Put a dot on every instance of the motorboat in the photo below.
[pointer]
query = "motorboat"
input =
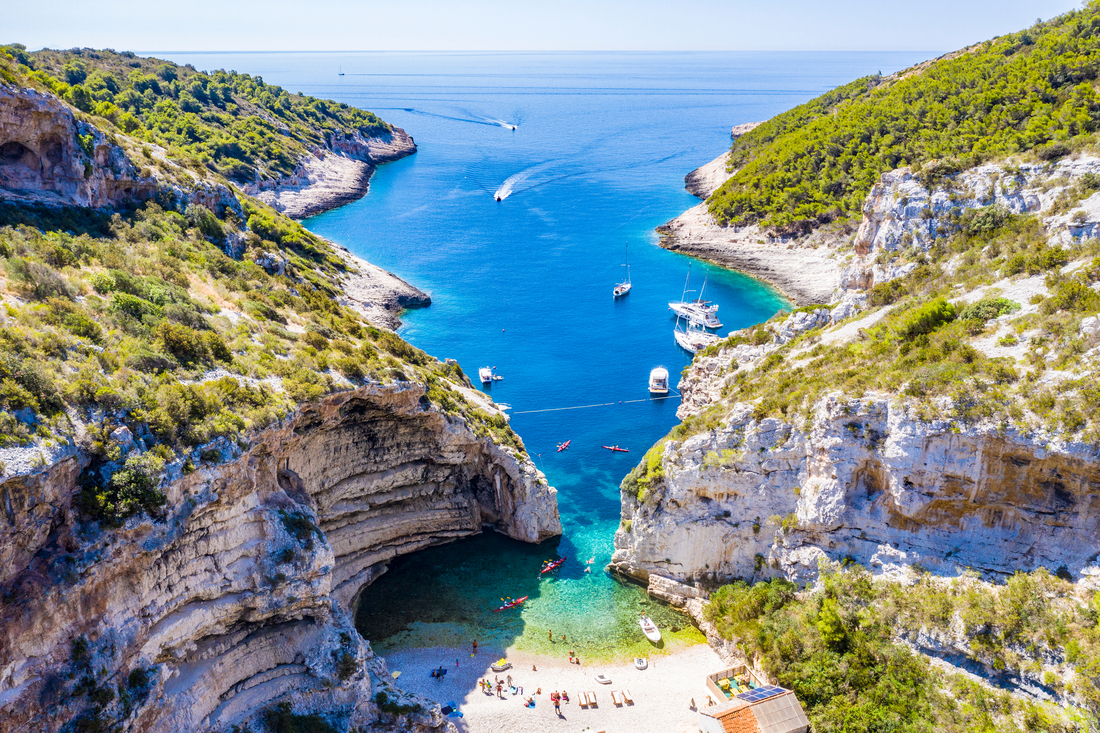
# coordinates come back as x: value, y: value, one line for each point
x: 485, y: 374
x: 624, y: 287
x: 640, y: 662
x: 649, y: 628
x: 617, y: 449
x: 694, y: 338
x: 658, y: 381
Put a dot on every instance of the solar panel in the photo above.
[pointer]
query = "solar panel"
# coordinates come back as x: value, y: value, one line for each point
x: 761, y: 693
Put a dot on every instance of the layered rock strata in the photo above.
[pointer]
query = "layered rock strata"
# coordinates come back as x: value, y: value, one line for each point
x: 330, y: 177
x: 238, y: 599
x: 863, y: 480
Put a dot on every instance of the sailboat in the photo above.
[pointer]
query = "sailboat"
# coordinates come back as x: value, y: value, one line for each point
x: 694, y: 338
x: 624, y: 287
x: 698, y: 311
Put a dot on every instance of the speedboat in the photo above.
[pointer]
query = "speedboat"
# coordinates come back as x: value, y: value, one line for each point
x: 694, y: 339
x: 485, y: 374
x: 649, y: 629
x: 658, y: 381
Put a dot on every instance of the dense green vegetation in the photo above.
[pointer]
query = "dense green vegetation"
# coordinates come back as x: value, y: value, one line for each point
x: 227, y: 122
x: 834, y: 647
x: 1028, y: 91
x: 922, y: 348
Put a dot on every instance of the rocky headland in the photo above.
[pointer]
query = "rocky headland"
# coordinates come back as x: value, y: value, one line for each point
x: 333, y: 176
x: 199, y: 570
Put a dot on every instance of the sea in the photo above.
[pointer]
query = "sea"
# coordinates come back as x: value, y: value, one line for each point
x: 588, y: 153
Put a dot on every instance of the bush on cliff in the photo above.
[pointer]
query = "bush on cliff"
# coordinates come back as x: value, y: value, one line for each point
x: 1020, y: 92
x: 834, y: 646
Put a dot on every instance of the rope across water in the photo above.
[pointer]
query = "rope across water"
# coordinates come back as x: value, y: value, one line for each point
x: 600, y: 404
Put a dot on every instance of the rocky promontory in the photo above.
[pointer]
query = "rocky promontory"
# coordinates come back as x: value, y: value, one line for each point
x: 333, y: 176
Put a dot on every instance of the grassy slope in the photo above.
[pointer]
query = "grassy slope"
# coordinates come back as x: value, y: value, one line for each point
x: 1032, y: 90
x: 116, y: 319
x: 231, y: 123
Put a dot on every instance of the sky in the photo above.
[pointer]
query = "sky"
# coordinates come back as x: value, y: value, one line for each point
x: 936, y: 26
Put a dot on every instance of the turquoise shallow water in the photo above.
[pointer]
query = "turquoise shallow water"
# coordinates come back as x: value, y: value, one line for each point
x: 597, y: 159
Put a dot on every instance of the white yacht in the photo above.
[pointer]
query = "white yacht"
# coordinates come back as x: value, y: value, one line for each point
x: 624, y: 287
x: 699, y: 311
x: 485, y: 374
x: 694, y: 338
x: 658, y: 381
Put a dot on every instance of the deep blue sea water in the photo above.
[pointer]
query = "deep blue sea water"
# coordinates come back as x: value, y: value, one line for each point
x: 597, y: 160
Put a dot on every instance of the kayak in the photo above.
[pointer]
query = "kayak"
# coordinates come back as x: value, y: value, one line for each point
x: 617, y: 448
x: 552, y: 566
x: 513, y: 604
x: 565, y: 445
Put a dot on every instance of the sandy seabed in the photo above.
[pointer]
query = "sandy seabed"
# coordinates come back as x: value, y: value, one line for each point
x: 662, y: 693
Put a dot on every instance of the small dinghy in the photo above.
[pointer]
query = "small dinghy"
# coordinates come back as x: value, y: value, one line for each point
x: 641, y: 662
x: 602, y: 680
x: 500, y: 665
x: 513, y: 604
x: 552, y: 566
x: 649, y: 628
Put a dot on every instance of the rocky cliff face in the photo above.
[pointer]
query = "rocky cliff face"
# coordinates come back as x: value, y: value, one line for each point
x: 327, y: 178
x: 863, y: 480
x: 863, y: 477
x: 239, y: 598
x: 48, y: 156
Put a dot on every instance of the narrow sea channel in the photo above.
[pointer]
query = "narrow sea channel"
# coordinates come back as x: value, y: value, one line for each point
x: 601, y: 144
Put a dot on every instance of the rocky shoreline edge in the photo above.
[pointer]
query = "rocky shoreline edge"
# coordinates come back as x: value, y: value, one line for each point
x: 328, y: 178
x: 805, y: 270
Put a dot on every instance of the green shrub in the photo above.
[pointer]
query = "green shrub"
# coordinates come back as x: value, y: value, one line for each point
x: 280, y: 719
x: 926, y: 318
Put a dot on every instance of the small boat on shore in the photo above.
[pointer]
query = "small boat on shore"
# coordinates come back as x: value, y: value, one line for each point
x: 649, y: 628
x: 640, y: 662
x: 564, y: 446
x: 552, y: 566
x: 513, y: 604
x: 658, y: 381
x: 500, y: 665
x: 617, y: 448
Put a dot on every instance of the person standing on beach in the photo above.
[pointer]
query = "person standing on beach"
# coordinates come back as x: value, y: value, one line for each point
x: 550, y: 634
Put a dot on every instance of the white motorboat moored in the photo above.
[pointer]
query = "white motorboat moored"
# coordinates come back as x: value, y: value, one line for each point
x: 658, y: 381
x: 485, y: 374
x: 649, y: 628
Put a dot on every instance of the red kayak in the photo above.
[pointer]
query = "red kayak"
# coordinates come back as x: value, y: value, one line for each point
x: 564, y: 445
x: 552, y: 566
x: 513, y: 604
x: 617, y: 448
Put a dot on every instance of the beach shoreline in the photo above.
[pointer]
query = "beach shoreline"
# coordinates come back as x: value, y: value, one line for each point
x: 662, y: 693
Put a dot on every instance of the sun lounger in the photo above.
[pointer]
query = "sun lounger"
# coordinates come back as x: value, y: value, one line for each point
x: 627, y: 697
x: 592, y: 700
x: 615, y: 699
x: 583, y: 699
